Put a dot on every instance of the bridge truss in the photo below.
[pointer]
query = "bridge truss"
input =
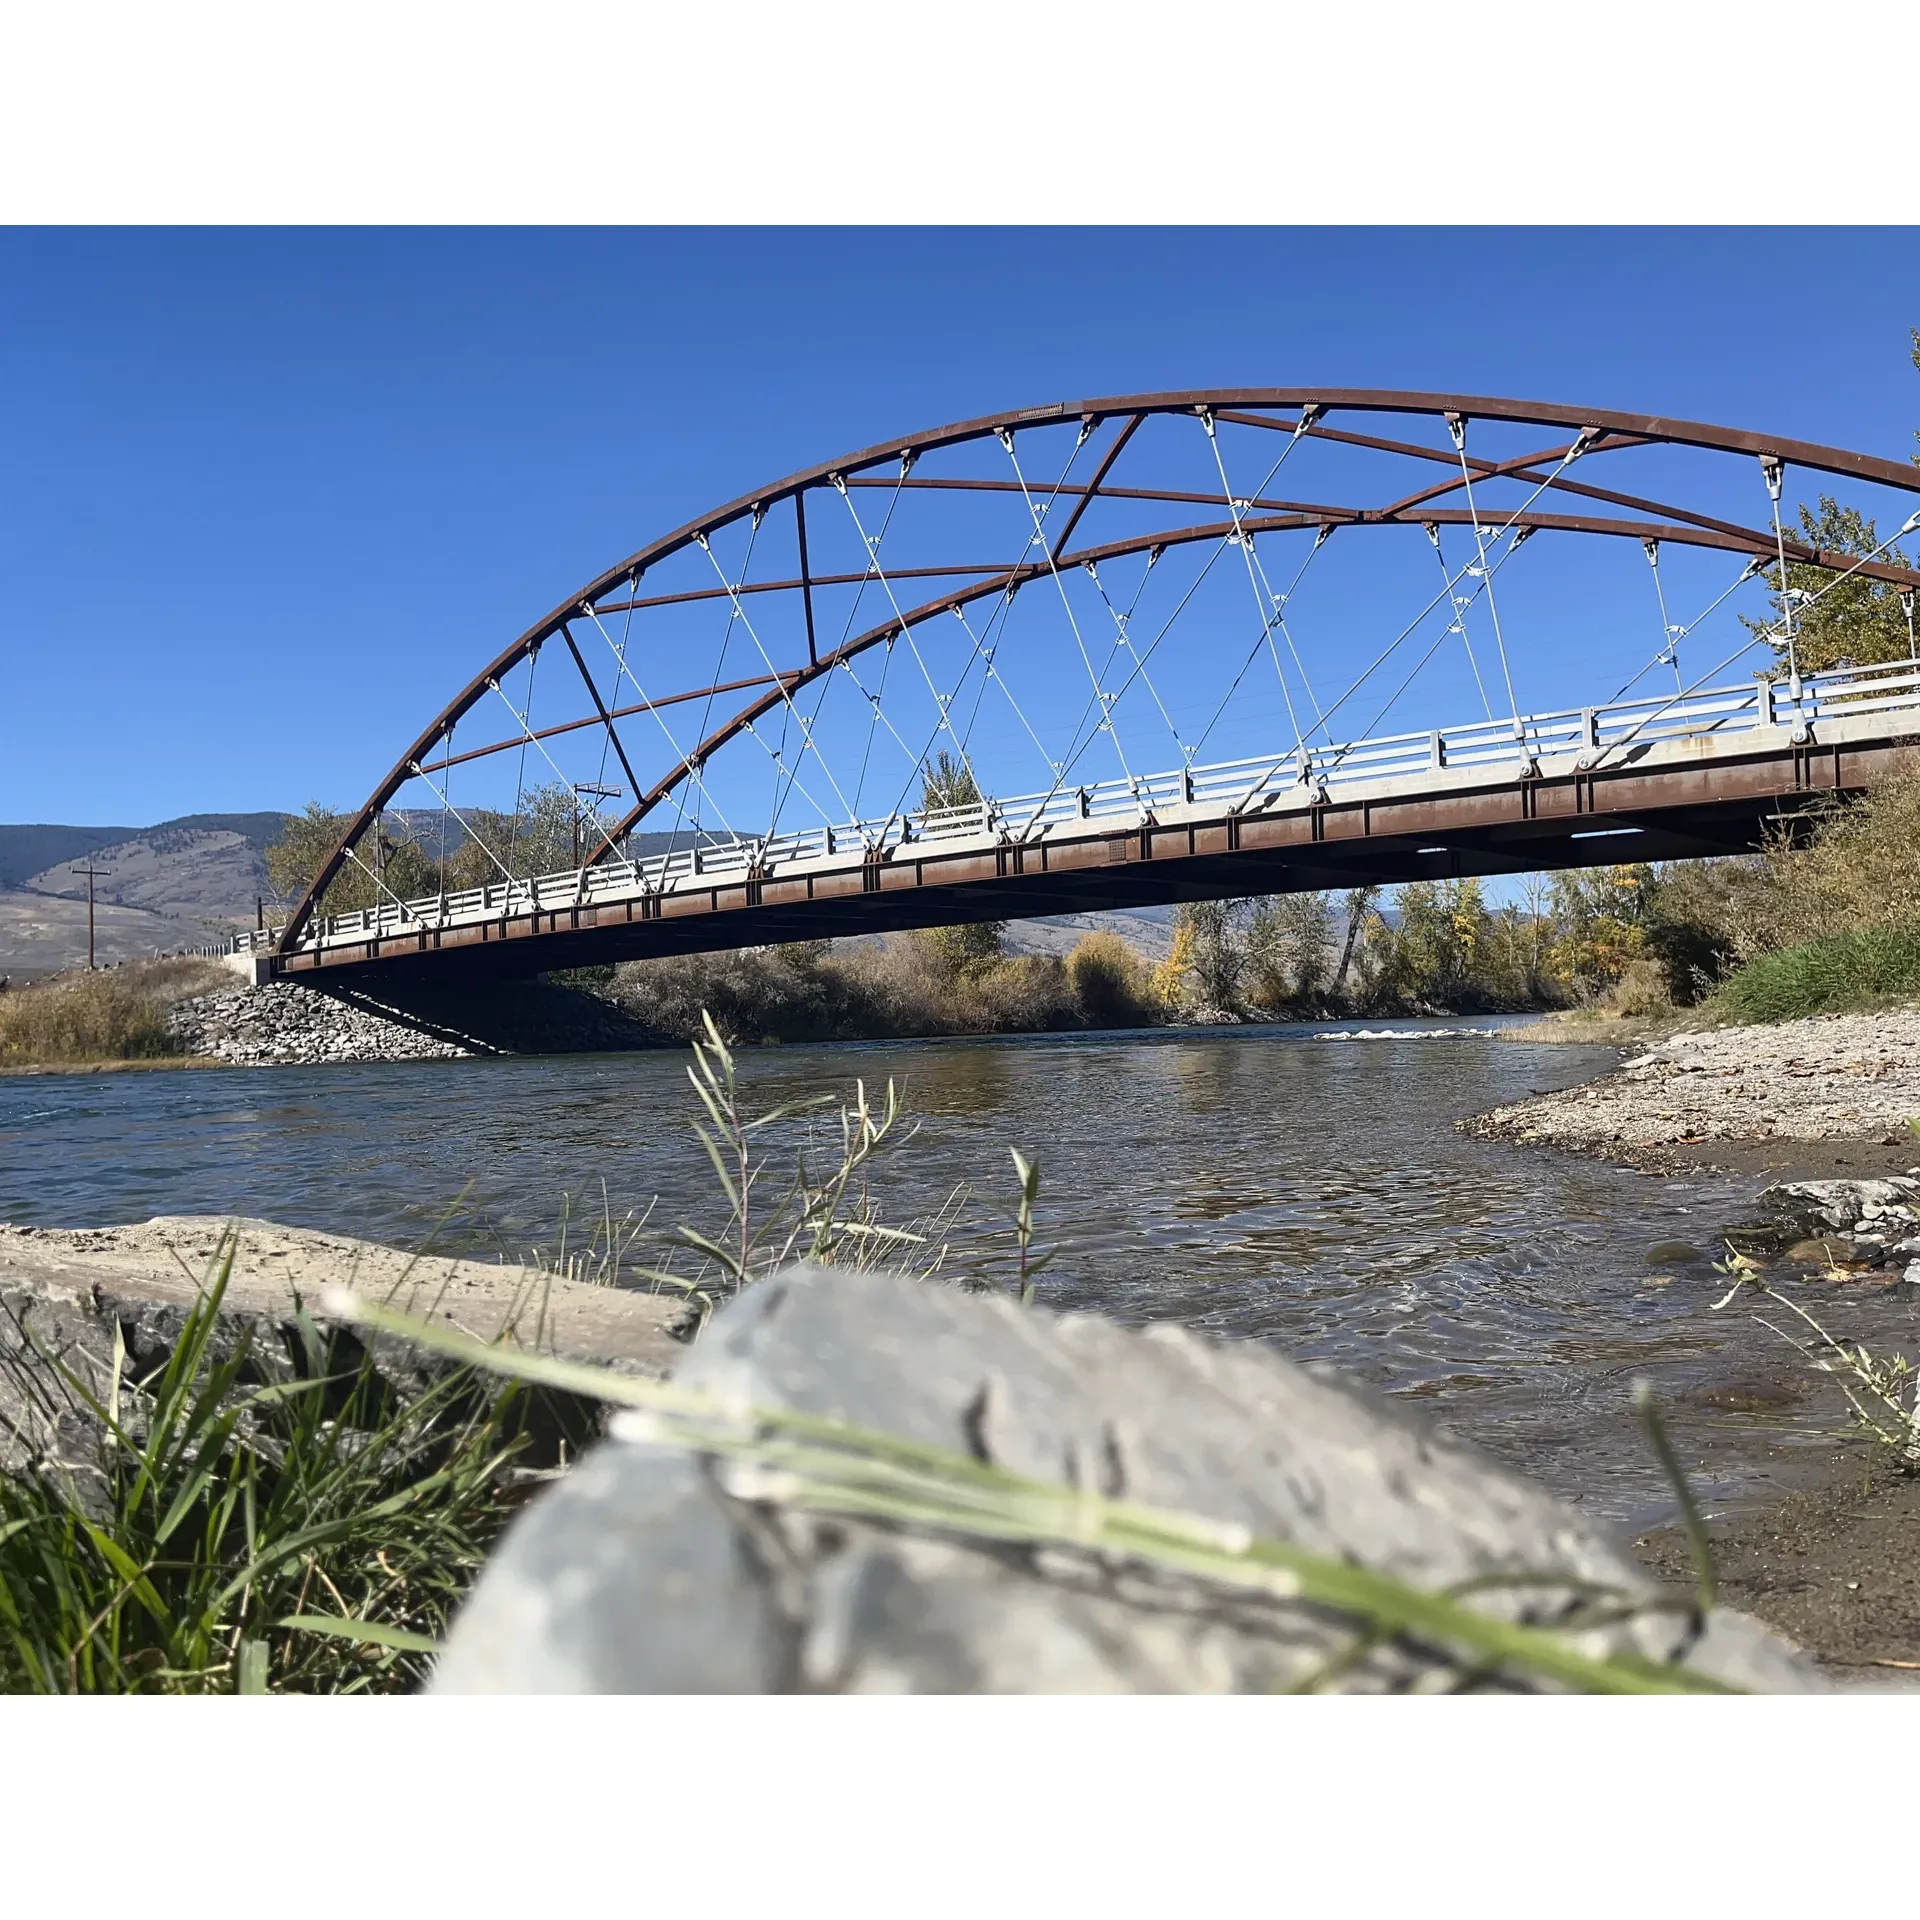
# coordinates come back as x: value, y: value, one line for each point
x: 1142, y: 648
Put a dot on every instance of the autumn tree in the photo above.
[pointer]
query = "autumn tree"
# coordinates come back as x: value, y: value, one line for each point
x: 1360, y: 908
x: 962, y: 950
x: 1437, y: 953
x: 1173, y: 977
x: 1841, y: 619
x: 302, y: 849
x: 1217, y: 957
x: 1602, y: 914
x: 946, y: 781
x: 386, y: 865
x: 1289, y: 950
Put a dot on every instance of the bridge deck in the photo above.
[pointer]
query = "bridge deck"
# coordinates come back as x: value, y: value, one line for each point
x: 1644, y: 780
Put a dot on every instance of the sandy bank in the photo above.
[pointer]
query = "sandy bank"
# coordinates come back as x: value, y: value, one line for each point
x: 1835, y: 1567
x: 136, y: 1272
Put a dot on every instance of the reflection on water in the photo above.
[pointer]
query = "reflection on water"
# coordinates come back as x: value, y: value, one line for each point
x: 1269, y: 1183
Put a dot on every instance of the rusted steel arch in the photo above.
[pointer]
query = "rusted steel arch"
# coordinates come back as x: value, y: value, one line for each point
x: 1607, y: 430
x: 1758, y: 547
x: 1728, y: 539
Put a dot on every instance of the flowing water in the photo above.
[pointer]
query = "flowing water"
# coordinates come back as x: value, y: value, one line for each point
x: 1273, y: 1183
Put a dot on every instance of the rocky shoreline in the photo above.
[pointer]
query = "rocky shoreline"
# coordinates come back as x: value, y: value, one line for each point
x: 1852, y: 1078
x: 281, y: 1024
x: 1829, y: 1103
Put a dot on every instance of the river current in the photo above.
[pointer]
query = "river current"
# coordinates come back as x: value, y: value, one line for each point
x: 1300, y: 1185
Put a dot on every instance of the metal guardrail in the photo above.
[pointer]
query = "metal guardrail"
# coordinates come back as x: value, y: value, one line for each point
x: 1589, y: 733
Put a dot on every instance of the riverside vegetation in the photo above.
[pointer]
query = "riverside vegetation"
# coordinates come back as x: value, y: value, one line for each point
x: 116, y: 1014
x: 1824, y: 918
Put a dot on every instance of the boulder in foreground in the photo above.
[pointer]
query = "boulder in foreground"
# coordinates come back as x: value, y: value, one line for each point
x: 642, y: 1572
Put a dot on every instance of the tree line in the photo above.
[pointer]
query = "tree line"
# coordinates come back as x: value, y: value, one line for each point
x: 1438, y: 946
x: 548, y: 831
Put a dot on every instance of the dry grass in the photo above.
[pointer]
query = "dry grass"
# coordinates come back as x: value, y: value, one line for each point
x: 1595, y: 1027
x: 1827, y: 921
x: 1859, y: 870
x: 118, y: 1014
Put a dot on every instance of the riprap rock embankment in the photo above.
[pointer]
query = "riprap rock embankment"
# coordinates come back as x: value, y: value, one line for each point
x: 282, y: 1024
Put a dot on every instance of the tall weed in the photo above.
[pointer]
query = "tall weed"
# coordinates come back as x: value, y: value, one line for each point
x: 309, y: 1534
x: 1845, y: 971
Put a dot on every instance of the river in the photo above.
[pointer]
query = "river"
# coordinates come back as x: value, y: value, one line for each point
x: 1274, y: 1183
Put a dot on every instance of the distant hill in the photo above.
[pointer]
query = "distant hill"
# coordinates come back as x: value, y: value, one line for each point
x: 258, y: 830
x: 178, y: 883
x: 192, y: 879
x: 205, y: 874
x: 27, y: 850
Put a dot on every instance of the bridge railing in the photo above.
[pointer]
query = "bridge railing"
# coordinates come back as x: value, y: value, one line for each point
x: 1593, y: 734
x: 1861, y: 690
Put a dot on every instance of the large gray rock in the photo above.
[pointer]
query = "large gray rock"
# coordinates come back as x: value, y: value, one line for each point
x: 652, y: 1570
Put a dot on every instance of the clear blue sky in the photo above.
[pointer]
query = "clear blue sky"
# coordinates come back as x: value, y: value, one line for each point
x: 268, y: 498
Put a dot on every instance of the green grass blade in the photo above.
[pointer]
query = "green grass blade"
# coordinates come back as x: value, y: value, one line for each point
x: 366, y: 1633
x: 250, y: 1673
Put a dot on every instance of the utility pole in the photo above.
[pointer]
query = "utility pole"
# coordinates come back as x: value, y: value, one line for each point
x: 92, y: 872
x: 589, y: 788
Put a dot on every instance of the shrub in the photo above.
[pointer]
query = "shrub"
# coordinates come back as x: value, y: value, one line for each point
x: 778, y: 993
x: 313, y: 1535
x: 1845, y: 867
x: 1027, y: 994
x: 901, y: 989
x: 1110, y: 982
x: 971, y: 948
x: 1640, y: 990
x: 1844, y: 971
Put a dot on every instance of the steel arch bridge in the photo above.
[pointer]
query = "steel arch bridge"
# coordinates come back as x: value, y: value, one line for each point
x: 1133, y: 650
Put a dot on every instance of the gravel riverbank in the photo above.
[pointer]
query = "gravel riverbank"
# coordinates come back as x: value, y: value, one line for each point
x: 1852, y: 1078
